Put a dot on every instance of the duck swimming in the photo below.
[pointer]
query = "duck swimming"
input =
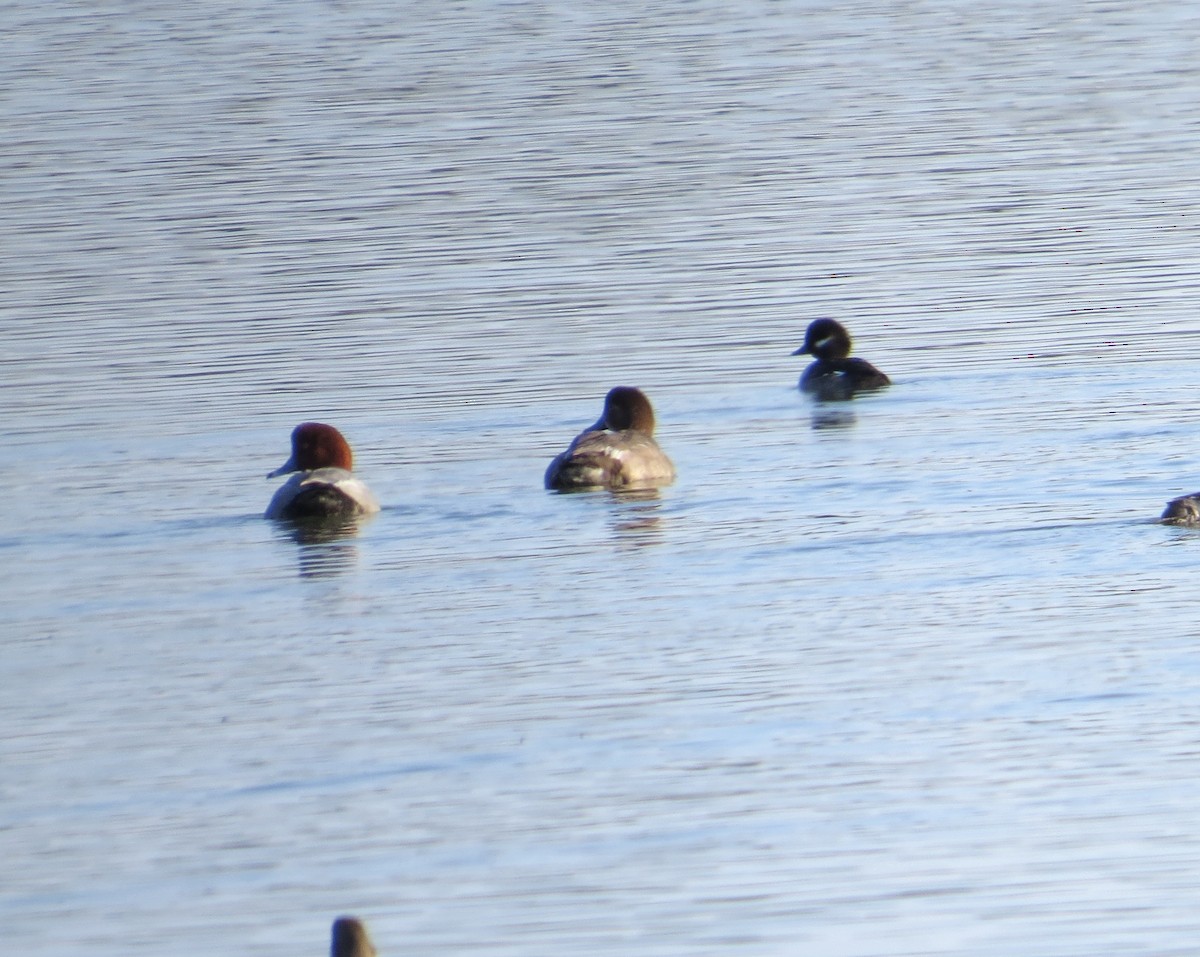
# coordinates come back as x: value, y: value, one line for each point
x: 350, y: 939
x: 835, y: 375
x: 323, y: 486
x: 1184, y: 510
x: 618, y: 452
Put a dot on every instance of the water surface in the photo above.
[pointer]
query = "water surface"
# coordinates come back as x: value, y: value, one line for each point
x: 914, y: 675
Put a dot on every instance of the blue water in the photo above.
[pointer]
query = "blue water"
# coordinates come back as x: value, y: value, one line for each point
x: 914, y: 675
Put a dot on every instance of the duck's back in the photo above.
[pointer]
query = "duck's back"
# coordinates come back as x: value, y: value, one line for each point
x: 322, y: 493
x: 842, y: 378
x: 1184, y: 510
x: 610, y: 459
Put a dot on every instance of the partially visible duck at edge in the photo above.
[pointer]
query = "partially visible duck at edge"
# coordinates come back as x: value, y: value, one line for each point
x: 618, y: 452
x: 835, y: 375
x: 350, y: 939
x: 1184, y: 510
x: 322, y: 486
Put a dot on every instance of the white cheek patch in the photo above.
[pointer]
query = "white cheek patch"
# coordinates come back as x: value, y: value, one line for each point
x: 822, y: 343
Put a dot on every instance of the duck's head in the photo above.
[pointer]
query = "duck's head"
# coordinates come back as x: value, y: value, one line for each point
x: 350, y: 939
x: 628, y: 408
x: 316, y: 446
x: 825, y: 339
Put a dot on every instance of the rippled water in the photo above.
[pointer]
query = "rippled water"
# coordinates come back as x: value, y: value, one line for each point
x: 915, y: 675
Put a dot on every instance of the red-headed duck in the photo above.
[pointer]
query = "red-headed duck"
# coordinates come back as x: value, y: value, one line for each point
x: 835, y: 375
x: 1184, y: 510
x: 323, y: 486
x: 617, y: 452
x: 350, y: 939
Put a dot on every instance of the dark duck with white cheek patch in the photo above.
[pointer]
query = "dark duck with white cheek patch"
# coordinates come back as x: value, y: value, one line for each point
x: 834, y: 375
x: 323, y: 487
x: 618, y: 452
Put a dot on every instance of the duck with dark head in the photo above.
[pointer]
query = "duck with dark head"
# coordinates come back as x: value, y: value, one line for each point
x: 617, y: 452
x: 350, y: 939
x: 835, y: 375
